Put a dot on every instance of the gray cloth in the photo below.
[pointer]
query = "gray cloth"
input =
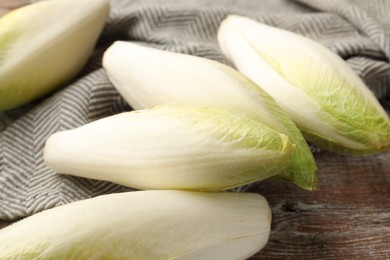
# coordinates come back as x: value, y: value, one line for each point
x: 358, y: 31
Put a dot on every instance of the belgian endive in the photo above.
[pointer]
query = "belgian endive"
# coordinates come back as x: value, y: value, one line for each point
x: 171, y: 148
x: 44, y: 45
x: 144, y: 225
x: 325, y: 98
x: 147, y: 77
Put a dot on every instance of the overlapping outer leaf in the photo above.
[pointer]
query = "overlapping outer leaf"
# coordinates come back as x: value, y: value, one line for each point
x: 318, y: 90
x: 147, y: 77
x: 171, y: 148
x: 45, y: 44
x: 144, y: 225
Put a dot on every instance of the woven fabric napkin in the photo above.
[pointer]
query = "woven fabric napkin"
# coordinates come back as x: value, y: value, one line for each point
x: 358, y: 31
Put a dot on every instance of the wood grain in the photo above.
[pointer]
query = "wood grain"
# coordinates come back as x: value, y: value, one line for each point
x: 348, y: 217
x: 7, y: 5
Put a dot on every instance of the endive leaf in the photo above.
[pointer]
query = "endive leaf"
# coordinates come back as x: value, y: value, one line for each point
x: 319, y: 91
x: 147, y: 77
x: 45, y: 44
x: 144, y: 225
x: 171, y: 148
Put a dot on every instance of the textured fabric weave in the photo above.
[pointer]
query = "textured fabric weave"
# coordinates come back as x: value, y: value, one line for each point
x: 358, y: 31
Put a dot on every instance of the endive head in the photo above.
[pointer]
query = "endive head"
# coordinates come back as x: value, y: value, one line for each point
x: 318, y: 90
x: 45, y: 44
x: 171, y: 148
x: 147, y: 77
x: 144, y: 225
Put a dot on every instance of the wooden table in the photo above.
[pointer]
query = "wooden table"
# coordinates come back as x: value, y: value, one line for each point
x: 6, y: 5
x: 348, y: 217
